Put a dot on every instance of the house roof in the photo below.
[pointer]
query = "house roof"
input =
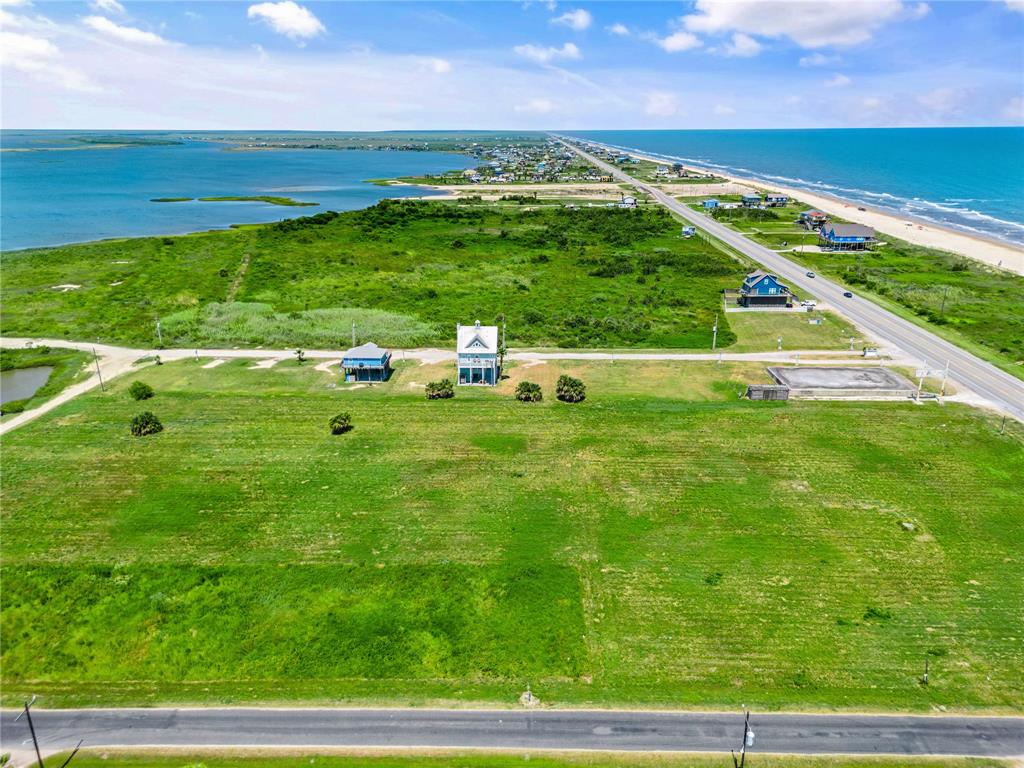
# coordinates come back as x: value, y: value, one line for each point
x: 477, y: 338
x: 851, y: 230
x: 758, y: 275
x: 366, y: 351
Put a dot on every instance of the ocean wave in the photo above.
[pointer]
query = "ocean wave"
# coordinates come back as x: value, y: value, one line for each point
x: 941, y: 213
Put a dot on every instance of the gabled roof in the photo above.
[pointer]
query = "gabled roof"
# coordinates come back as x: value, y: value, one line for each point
x: 477, y: 339
x: 758, y: 275
x: 366, y: 351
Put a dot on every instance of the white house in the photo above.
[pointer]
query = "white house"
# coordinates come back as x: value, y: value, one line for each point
x: 477, y: 348
x: 627, y: 201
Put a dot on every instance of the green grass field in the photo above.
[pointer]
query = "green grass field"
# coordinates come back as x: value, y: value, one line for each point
x: 978, y: 307
x: 584, y: 278
x: 660, y: 544
x: 95, y: 759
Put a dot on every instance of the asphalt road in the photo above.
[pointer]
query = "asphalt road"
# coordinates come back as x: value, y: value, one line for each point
x: 496, y: 729
x: 986, y: 380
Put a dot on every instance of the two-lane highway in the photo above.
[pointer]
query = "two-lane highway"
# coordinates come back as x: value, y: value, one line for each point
x: 1001, y: 389
x: 518, y: 729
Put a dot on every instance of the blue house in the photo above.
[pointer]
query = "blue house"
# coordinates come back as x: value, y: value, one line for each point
x: 751, y: 201
x: 846, y: 237
x: 367, y: 362
x: 711, y: 203
x: 761, y: 289
x: 775, y: 200
x: 477, y: 349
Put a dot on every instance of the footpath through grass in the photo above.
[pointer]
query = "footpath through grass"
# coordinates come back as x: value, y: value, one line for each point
x: 532, y: 759
x: 660, y: 544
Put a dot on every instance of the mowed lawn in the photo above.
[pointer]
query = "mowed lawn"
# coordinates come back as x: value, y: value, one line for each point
x: 662, y: 544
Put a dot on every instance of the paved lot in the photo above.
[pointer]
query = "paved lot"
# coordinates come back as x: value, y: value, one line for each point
x: 544, y: 729
x: 868, y: 379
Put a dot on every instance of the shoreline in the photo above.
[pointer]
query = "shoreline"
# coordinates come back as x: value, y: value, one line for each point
x: 989, y: 250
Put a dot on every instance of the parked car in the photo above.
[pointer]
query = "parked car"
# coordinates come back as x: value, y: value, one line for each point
x: 810, y: 274
x: 847, y: 294
x: 809, y: 303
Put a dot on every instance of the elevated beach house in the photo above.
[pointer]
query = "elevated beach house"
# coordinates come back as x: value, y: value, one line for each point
x: 751, y: 201
x: 775, y: 200
x: 477, y: 347
x: 367, y: 362
x: 762, y: 289
x: 813, y: 218
x: 846, y: 237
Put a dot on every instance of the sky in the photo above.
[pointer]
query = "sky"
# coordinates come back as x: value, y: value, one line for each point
x: 277, y: 65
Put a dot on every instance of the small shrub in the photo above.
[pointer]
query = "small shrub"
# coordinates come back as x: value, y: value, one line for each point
x: 300, y: 356
x: 713, y: 579
x: 12, y: 406
x: 570, y: 390
x: 146, y: 424
x: 528, y: 392
x: 340, y: 424
x: 440, y: 390
x: 140, y: 390
x: 877, y: 613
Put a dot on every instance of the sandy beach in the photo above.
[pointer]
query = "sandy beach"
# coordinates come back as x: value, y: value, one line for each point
x: 989, y: 251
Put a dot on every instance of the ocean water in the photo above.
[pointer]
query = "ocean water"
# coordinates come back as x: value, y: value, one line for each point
x: 51, y: 195
x: 967, y: 178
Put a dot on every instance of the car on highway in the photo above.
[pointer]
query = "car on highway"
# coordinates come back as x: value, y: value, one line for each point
x: 810, y: 274
x: 847, y: 294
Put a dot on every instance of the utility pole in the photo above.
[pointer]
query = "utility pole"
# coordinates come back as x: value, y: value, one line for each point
x: 353, y: 333
x: 945, y: 374
x: 714, y: 334
x: 96, y: 359
x: 748, y: 741
x: 35, y: 742
x: 924, y: 677
x: 942, y: 308
x: 159, y: 335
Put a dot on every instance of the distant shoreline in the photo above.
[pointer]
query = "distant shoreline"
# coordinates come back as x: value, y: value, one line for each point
x: 988, y: 249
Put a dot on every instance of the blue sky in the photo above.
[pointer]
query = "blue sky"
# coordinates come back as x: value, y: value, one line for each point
x: 493, y: 65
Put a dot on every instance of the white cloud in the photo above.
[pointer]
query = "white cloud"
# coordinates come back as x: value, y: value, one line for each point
x: 808, y: 24
x: 12, y: 3
x: 535, y: 107
x: 1014, y: 109
x: 794, y: 100
x: 723, y: 109
x: 818, y: 59
x: 678, y: 41
x: 106, y: 6
x: 438, y: 66
x: 661, y: 104
x: 871, y: 102
x: 577, y: 19
x: 288, y: 18
x: 918, y: 11
x: 543, y: 55
x: 942, y: 101
x: 838, y: 81
x: 39, y: 58
x: 742, y: 46
x: 622, y: 30
x: 123, y: 33
x: 1015, y: 5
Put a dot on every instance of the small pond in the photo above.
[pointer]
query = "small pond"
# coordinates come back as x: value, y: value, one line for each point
x: 22, y: 382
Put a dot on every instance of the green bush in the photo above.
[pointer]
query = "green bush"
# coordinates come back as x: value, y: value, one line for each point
x: 570, y: 390
x: 528, y: 392
x: 340, y: 424
x: 146, y: 424
x: 12, y: 406
x: 139, y: 390
x: 440, y: 390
